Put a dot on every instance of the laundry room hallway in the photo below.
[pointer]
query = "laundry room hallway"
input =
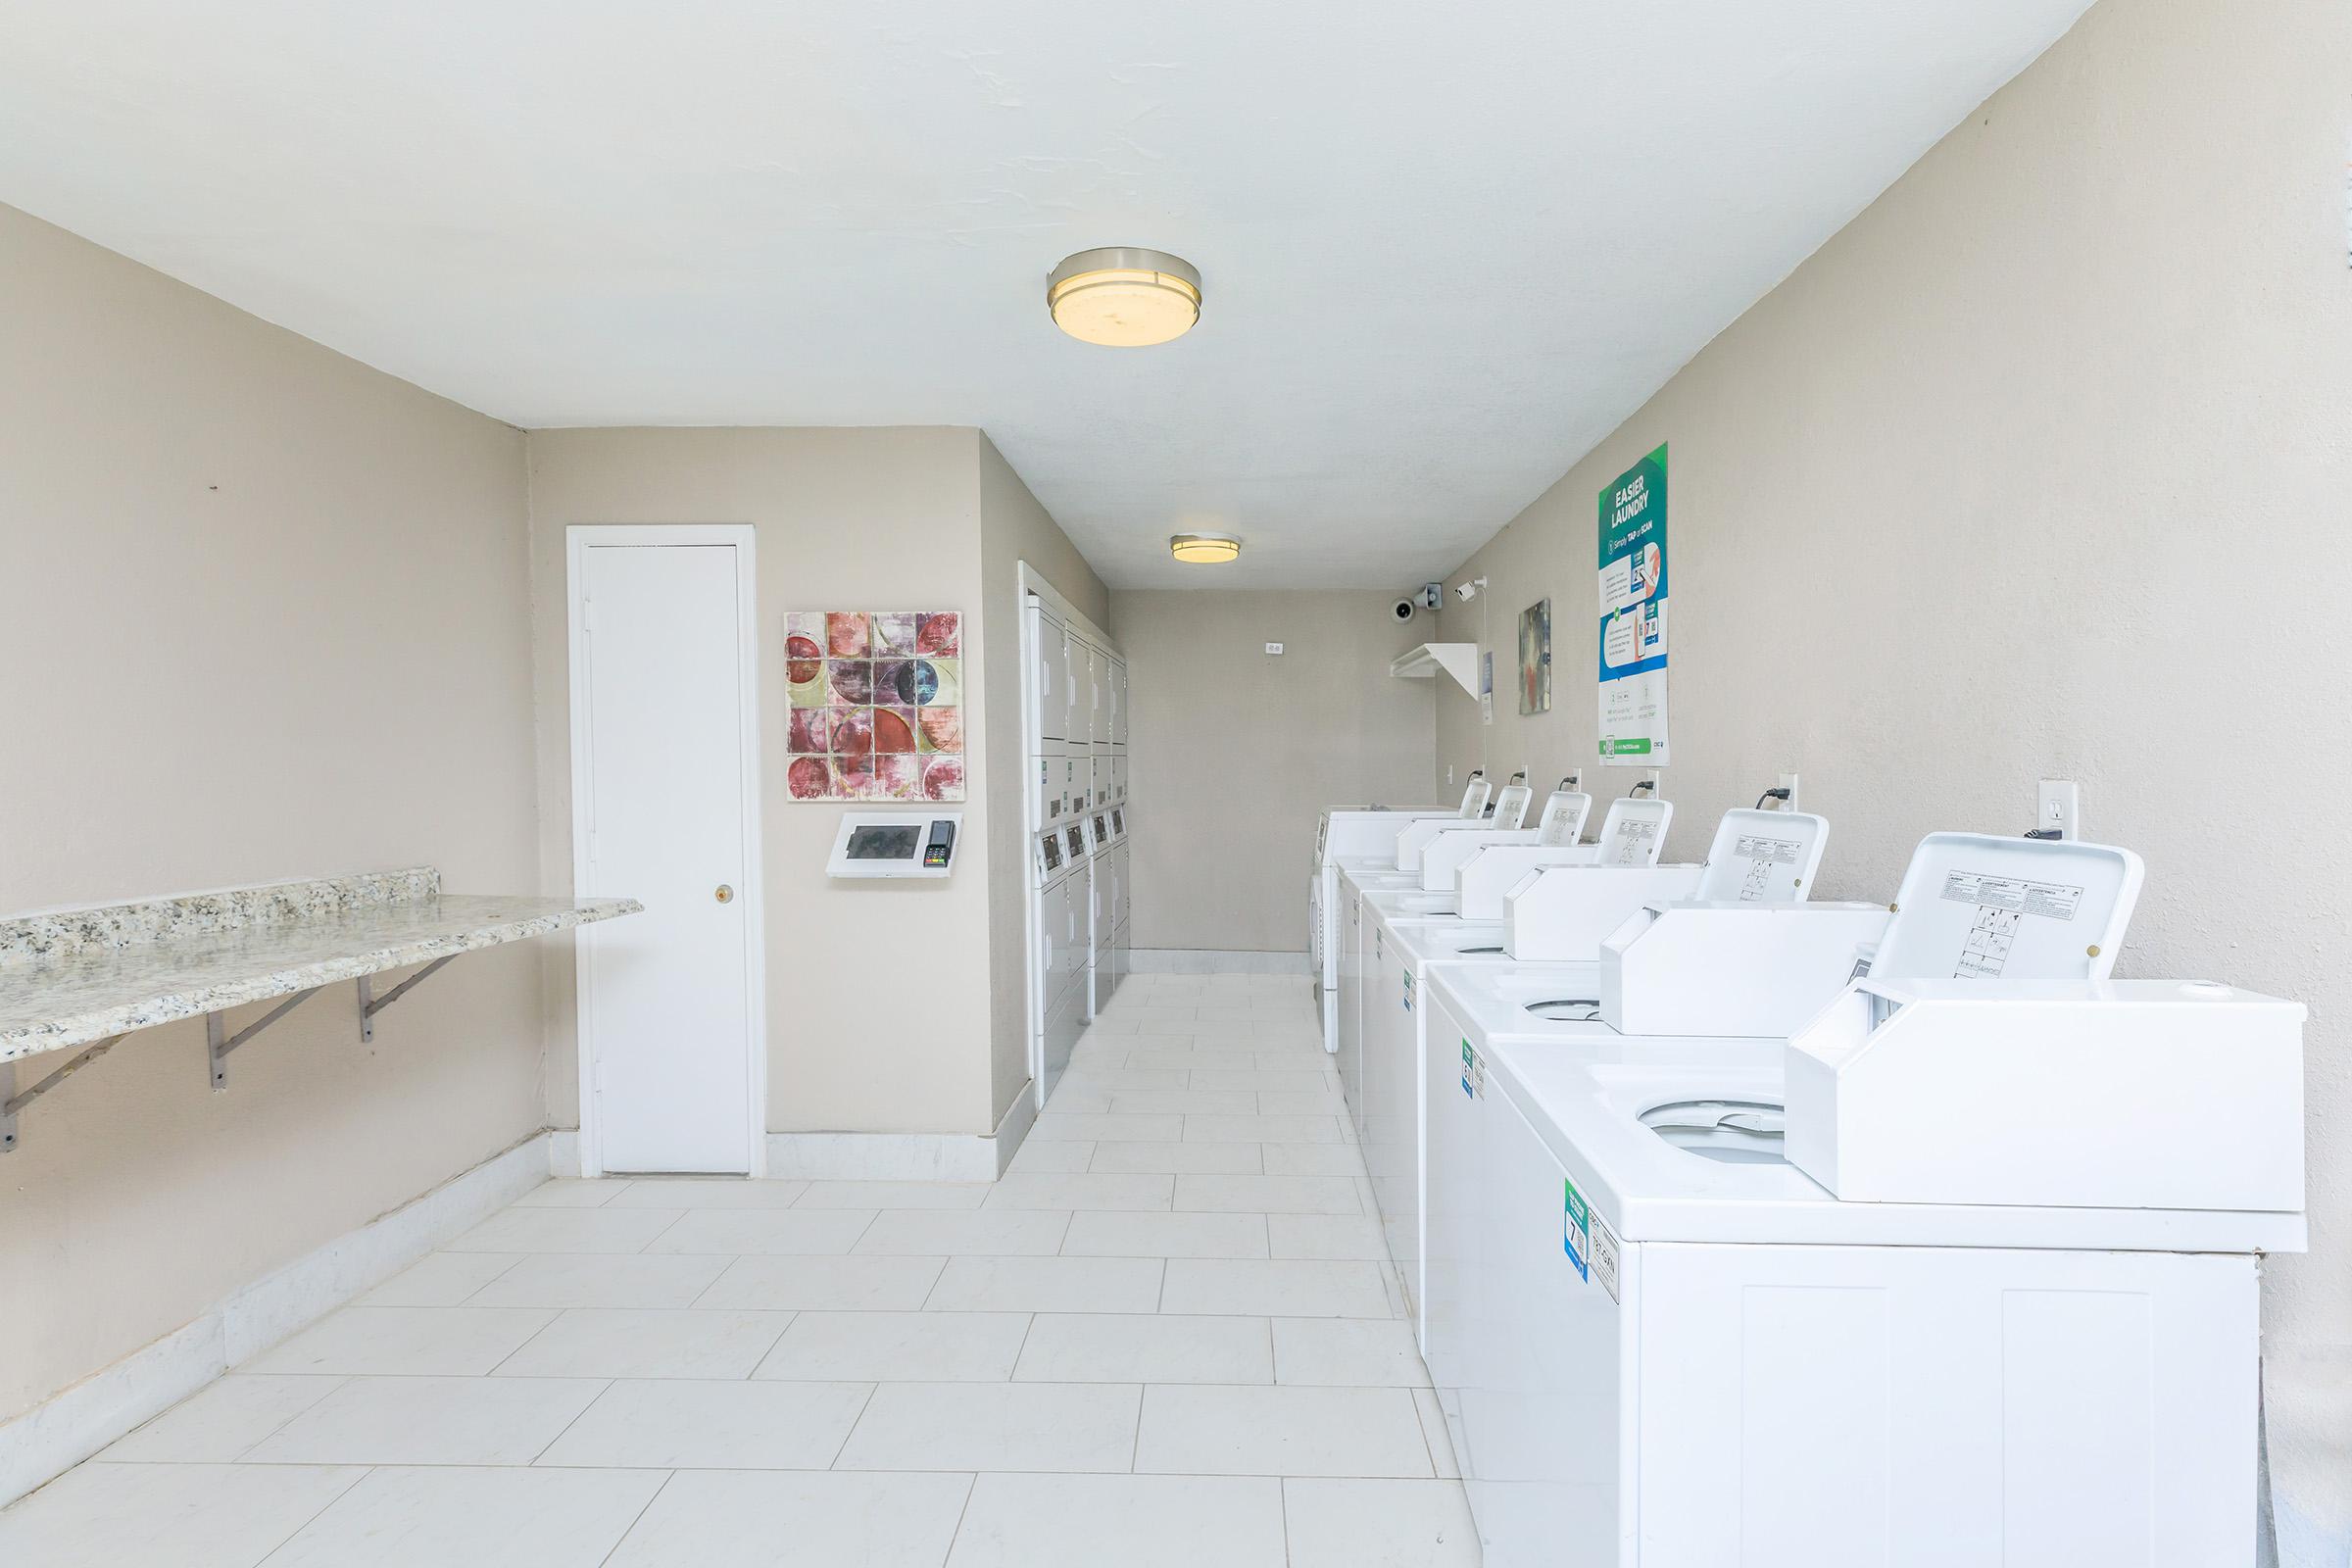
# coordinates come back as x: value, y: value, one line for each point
x: 1167, y: 1336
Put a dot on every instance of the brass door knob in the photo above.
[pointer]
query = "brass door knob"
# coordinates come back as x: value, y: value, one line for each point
x: 725, y: 894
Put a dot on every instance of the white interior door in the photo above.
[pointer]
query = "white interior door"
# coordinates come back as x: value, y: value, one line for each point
x: 663, y: 715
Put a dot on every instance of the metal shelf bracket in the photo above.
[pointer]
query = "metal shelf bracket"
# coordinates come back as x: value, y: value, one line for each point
x: 13, y: 1103
x: 370, y: 1004
x: 218, y: 1042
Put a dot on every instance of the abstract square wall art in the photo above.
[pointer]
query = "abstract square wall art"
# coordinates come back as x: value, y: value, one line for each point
x: 875, y: 705
x: 1534, y: 657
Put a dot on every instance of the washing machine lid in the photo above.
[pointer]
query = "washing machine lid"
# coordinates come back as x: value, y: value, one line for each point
x: 1763, y: 857
x: 1975, y: 905
x: 1563, y: 820
x: 1510, y: 806
x: 1634, y: 831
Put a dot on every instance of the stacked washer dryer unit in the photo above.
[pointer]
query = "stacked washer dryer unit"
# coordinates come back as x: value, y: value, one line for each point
x: 1122, y: 892
x: 1105, y: 957
x: 1074, y: 725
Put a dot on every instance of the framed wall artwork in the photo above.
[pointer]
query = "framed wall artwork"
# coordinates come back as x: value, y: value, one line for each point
x: 876, y: 705
x: 1534, y: 657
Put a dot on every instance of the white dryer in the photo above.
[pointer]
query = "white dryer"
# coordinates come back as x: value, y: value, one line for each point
x: 1103, y: 902
x: 1058, y: 979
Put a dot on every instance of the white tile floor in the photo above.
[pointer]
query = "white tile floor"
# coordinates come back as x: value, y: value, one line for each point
x: 1167, y: 1338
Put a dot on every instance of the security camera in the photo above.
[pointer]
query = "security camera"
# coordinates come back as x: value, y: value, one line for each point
x: 1402, y: 610
x: 1466, y: 591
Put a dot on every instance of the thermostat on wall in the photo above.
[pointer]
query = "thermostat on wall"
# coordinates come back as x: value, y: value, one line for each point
x: 895, y: 844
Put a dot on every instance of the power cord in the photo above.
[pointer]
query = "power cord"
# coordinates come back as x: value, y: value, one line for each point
x: 1771, y: 795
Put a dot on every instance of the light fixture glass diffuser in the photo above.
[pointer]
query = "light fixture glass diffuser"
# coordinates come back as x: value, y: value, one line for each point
x: 1204, y: 548
x: 1123, y: 296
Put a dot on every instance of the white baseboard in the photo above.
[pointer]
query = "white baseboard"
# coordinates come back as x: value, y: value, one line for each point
x: 1213, y: 960
x: 1014, y: 1129
x: 60, y: 1432
x: 564, y: 1152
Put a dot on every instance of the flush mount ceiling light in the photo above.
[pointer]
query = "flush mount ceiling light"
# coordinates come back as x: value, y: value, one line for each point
x: 1204, y: 548
x: 1124, y: 297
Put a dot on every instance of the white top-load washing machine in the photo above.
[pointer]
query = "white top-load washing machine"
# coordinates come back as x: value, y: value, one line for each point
x: 1364, y: 840
x: 1353, y: 834
x: 1060, y: 951
x: 1632, y: 829
x: 1401, y: 870
x: 1558, y: 936
x: 1991, y: 1299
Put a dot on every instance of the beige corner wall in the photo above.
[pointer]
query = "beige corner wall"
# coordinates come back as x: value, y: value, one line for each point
x: 1013, y: 529
x: 2040, y: 468
x: 848, y: 518
x: 1232, y: 750
x: 261, y: 613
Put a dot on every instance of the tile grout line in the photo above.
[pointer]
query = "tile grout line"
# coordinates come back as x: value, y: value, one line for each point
x: 638, y: 1518
x: 867, y: 1404
x: 342, y: 1380
x: 534, y: 1460
x: 971, y: 1487
x: 364, y: 1472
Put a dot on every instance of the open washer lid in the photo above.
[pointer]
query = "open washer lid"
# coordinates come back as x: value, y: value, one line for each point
x: 1633, y: 831
x: 1563, y: 818
x: 1977, y: 906
x: 1763, y: 857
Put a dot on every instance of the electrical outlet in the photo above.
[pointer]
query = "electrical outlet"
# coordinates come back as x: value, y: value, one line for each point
x: 1273, y: 648
x: 2060, y: 808
x: 1449, y: 775
x: 1651, y: 778
x: 1788, y: 783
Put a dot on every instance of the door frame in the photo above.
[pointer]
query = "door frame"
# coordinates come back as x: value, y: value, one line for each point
x: 743, y: 538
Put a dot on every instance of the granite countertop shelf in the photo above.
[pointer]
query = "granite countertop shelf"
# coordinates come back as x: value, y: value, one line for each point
x: 84, y: 977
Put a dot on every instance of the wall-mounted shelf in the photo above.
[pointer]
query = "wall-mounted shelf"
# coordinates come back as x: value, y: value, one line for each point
x: 82, y: 980
x: 1459, y: 659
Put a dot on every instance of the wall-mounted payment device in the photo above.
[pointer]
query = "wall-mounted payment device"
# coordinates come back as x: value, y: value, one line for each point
x: 895, y: 844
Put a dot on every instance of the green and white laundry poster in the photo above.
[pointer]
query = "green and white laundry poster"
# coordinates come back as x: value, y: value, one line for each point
x: 1633, y: 615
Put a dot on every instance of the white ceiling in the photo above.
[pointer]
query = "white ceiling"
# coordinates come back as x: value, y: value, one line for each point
x: 1446, y: 247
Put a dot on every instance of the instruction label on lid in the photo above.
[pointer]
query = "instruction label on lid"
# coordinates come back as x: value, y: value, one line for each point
x: 2002, y: 903
x: 1762, y: 854
x: 1632, y: 842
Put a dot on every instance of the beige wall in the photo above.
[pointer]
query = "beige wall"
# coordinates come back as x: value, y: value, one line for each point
x: 261, y: 611
x: 2040, y: 470
x: 1232, y: 750
x: 1013, y: 529
x: 866, y: 518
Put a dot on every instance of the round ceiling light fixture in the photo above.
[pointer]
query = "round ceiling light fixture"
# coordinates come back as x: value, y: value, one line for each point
x: 1204, y: 549
x: 1124, y: 297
